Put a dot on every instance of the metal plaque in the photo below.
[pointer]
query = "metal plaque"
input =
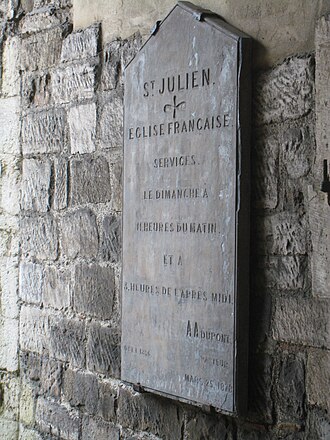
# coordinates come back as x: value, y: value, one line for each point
x: 185, y: 213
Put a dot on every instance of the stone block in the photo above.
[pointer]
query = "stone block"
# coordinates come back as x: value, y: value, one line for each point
x: 9, y: 287
x: 11, y: 68
x: 79, y: 236
x: 10, y: 125
x: 8, y: 346
x: 98, y: 429
x: 286, y: 92
x: 94, y: 290
x: 103, y: 350
x: 56, y: 287
x: 36, y: 90
x: 74, y: 82
x: 60, y: 196
x: 28, y: 434
x: 130, y: 47
x: 57, y: 420
x: 36, y: 185
x: 297, y: 151
x: 318, y: 425
x: 90, y: 181
x: 260, y: 404
x: 206, y: 427
x: 111, y: 239
x: 302, y: 321
x: 39, y: 238
x: 116, y: 174
x: 10, y: 186
x: 9, y: 429
x: 318, y: 378
x: 82, y: 123
x: 42, y: 19
x: 111, y: 67
x: 27, y: 404
x: 44, y: 132
x: 67, y: 340
x: 265, y: 172
x: 30, y: 282
x: 9, y: 392
x: 290, y: 389
x: 81, y: 44
x: 51, y: 373
x: 146, y: 412
x: 111, y: 123
x: 81, y: 390
x: 34, y: 330
x: 107, y: 401
x: 42, y: 50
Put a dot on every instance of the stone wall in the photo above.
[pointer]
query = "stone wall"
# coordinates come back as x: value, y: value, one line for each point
x: 60, y: 232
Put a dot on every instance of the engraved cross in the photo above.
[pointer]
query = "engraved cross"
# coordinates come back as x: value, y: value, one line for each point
x: 175, y: 106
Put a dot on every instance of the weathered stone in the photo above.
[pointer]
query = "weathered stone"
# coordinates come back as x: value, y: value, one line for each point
x: 53, y: 418
x: 111, y: 123
x: 106, y: 401
x: 8, y: 345
x: 9, y: 429
x: 44, y: 132
x: 290, y: 389
x: 147, y: 412
x: 56, y: 287
x: 116, y: 173
x: 302, y: 321
x: 34, y: 328
x: 79, y: 234
x: 318, y: 378
x: 72, y: 83
x: 60, y: 196
x: 297, y: 151
x: 206, y: 427
x: 28, y: 434
x: 9, y: 287
x: 265, y: 167
x: 36, y: 89
x: 51, y: 378
x: 253, y: 433
x: 94, y: 290
x: 130, y: 48
x: 111, y: 239
x: 10, y: 186
x: 36, y: 185
x: 111, y: 66
x: 10, y: 395
x: 103, y: 350
x: 42, y: 19
x: 10, y: 125
x: 81, y: 390
x: 90, y: 181
x: 82, y: 123
x: 67, y: 340
x: 39, y: 238
x: 30, y: 282
x: 27, y: 404
x: 10, y: 62
x: 286, y: 92
x: 318, y: 425
x: 81, y: 44
x: 98, y: 429
x: 40, y: 51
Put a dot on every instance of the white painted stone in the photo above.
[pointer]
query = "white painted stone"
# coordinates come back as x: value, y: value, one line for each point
x: 82, y: 123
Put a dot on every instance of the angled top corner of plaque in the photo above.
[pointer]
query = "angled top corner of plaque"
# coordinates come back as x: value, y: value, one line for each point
x: 186, y: 15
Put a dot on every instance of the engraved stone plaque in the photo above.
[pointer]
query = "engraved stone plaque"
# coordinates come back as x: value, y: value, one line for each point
x: 185, y: 213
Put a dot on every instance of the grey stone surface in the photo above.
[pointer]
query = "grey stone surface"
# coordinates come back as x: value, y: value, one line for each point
x: 34, y: 330
x: 44, y: 132
x: 81, y: 44
x: 111, y: 123
x: 318, y: 425
x: 56, y: 287
x: 60, y: 196
x: 98, y: 429
x: 318, y: 378
x: 39, y: 237
x: 10, y: 125
x: 103, y: 350
x: 297, y: 149
x: 111, y: 67
x: 30, y: 282
x: 111, y: 239
x: 81, y: 390
x: 53, y: 418
x: 42, y: 19
x: 67, y: 340
x: 94, y: 288
x: 82, y: 123
x: 40, y: 51
x: 36, y: 89
x: 107, y: 402
x: 204, y: 427
x: 36, y: 185
x: 79, y: 235
x: 74, y: 82
x: 90, y: 181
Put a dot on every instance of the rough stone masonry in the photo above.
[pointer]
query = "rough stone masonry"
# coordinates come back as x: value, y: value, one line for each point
x: 60, y: 243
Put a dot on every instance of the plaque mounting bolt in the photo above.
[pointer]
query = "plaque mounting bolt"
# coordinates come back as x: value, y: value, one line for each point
x: 325, y: 187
